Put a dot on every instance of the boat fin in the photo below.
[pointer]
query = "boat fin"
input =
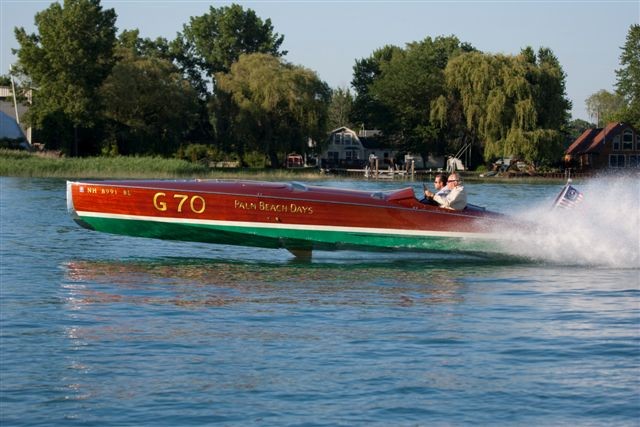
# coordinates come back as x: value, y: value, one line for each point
x: 302, y: 254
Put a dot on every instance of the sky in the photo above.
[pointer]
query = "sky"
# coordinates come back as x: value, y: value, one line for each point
x: 329, y: 36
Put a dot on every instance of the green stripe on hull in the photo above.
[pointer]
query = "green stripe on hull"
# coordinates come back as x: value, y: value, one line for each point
x: 279, y: 237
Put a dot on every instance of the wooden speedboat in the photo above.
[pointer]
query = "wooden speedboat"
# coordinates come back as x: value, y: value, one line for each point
x: 294, y: 216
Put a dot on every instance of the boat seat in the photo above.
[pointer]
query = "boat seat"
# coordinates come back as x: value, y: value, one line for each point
x: 404, y: 193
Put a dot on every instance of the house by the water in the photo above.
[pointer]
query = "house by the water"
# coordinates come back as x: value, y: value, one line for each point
x: 349, y: 149
x: 616, y: 146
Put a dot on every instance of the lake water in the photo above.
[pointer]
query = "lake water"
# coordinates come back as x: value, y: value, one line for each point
x: 97, y: 329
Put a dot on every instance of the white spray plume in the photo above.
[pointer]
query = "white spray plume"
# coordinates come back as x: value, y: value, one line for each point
x: 602, y: 230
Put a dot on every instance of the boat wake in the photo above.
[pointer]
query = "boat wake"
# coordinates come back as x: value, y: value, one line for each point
x: 603, y: 230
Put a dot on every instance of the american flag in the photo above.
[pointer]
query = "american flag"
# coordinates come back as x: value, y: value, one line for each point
x: 569, y: 197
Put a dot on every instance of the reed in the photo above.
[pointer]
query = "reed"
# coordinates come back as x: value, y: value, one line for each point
x: 24, y: 164
x: 15, y: 163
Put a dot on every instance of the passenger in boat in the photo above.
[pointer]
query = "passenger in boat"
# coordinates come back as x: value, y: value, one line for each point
x: 456, y: 199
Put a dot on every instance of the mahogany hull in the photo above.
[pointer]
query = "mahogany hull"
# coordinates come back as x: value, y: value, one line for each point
x: 278, y: 215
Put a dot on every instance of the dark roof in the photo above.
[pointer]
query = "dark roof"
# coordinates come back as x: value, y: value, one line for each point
x: 592, y: 140
x: 611, y: 129
x: 582, y: 142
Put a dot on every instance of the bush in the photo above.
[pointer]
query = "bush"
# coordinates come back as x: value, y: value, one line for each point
x: 13, y: 144
x: 254, y: 159
x: 204, y: 154
x: 195, y: 153
x: 110, y: 150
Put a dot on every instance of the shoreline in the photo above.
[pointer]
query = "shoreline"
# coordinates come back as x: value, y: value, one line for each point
x: 28, y: 165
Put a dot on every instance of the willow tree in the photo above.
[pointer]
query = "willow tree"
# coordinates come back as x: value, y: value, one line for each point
x: 504, y: 101
x: 277, y: 105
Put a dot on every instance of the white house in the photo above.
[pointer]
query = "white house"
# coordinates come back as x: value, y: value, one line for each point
x: 348, y: 149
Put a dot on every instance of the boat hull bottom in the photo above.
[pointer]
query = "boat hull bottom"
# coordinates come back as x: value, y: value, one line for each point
x: 298, y: 242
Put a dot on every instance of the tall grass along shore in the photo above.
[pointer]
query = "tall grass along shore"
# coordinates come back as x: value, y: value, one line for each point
x: 25, y: 164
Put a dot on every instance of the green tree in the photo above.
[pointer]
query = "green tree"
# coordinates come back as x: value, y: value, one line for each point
x: 628, y: 84
x: 67, y: 61
x: 408, y: 84
x: 277, y: 106
x: 340, y: 108
x: 131, y: 44
x: 548, y: 82
x: 503, y: 101
x: 397, y: 88
x: 368, y: 111
x: 150, y: 105
x: 211, y: 43
x: 604, y: 107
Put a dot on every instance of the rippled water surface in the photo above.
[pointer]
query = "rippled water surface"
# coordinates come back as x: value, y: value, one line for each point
x: 97, y: 329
